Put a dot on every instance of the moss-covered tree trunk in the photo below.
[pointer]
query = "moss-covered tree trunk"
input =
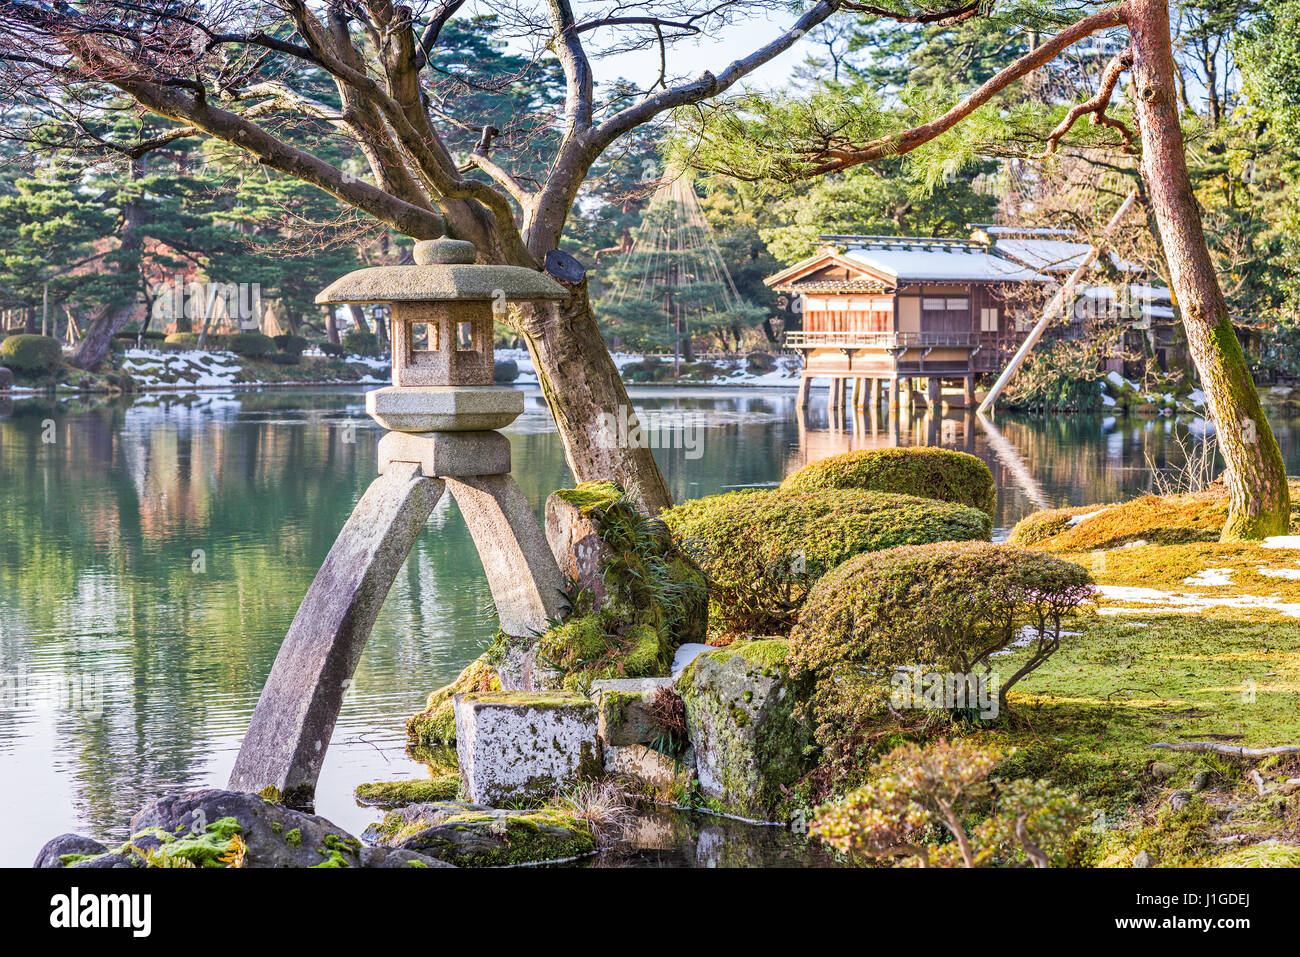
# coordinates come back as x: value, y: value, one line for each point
x: 585, y: 394
x: 1256, y: 475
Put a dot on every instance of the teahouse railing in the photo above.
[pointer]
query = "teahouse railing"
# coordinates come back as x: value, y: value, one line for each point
x: 878, y: 340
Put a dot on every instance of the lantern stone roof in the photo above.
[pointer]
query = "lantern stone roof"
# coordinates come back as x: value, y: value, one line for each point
x: 444, y: 270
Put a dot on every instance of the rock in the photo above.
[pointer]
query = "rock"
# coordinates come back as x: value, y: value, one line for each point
x: 505, y: 370
x: 437, y: 722
x: 624, y: 705
x: 1143, y: 859
x: 515, y: 745
x: 1201, y: 781
x: 740, y: 704
x: 573, y: 532
x: 477, y: 836
x: 653, y: 772
x: 198, y: 826
x: 1162, y: 770
x: 6, y: 379
x: 519, y: 667
x: 1179, y: 800
x: 67, y: 849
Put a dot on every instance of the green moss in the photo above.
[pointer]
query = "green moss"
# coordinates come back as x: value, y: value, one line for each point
x: 442, y: 787
x: 294, y: 838
x: 548, y: 833
x: 199, y: 850
x: 1156, y: 519
x: 1269, y: 854
x: 764, y: 551
x: 271, y: 794
x: 437, y: 722
x: 766, y: 652
x: 923, y: 471
x: 591, y: 496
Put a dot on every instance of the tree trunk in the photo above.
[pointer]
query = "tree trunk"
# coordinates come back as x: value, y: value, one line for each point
x: 588, y: 400
x: 359, y: 318
x: 331, y: 326
x: 1259, y: 500
x: 94, y: 345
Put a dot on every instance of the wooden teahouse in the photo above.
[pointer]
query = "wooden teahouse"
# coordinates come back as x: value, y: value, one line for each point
x: 894, y: 309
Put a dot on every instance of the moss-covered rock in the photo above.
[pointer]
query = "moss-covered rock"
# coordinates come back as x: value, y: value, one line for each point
x: 763, y: 551
x: 391, y: 794
x: 922, y: 471
x: 750, y: 745
x: 638, y: 596
x: 470, y: 835
x: 437, y: 722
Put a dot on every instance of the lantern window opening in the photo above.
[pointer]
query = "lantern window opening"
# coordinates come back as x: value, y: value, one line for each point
x: 424, y: 336
x: 464, y: 337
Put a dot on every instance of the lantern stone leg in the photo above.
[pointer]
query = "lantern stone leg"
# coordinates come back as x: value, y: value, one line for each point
x: 295, y: 716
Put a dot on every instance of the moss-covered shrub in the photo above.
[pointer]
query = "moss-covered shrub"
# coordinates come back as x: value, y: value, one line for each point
x: 361, y: 343
x: 31, y: 355
x: 928, y: 472
x: 251, y: 345
x: 763, y: 551
x: 942, y: 609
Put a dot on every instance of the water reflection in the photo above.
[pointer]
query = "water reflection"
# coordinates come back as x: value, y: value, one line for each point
x: 153, y: 551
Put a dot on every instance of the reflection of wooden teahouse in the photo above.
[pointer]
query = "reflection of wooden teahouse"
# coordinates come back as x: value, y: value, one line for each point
x: 887, y: 308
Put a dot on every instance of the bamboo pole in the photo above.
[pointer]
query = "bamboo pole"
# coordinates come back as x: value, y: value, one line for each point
x: 1058, y: 300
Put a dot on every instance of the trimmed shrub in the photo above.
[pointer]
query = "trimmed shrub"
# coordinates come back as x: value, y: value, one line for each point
x: 361, y: 343
x: 947, y: 608
x: 32, y: 355
x: 181, y: 342
x: 928, y: 472
x: 286, y: 358
x: 763, y: 551
x: 331, y: 349
x: 290, y: 344
x: 916, y: 792
x: 251, y: 345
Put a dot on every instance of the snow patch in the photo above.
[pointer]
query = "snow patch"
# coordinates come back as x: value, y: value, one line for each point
x: 1210, y: 577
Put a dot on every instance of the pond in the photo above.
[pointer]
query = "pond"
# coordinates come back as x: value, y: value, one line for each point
x: 153, y: 551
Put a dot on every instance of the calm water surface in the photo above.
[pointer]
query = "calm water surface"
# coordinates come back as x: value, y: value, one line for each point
x: 153, y: 552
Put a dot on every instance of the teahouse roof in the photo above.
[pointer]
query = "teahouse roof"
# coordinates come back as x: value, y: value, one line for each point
x: 883, y: 263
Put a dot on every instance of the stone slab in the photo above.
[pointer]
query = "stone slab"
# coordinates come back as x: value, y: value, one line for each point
x: 295, y: 716
x: 526, y: 585
x: 447, y: 453
x: 444, y: 408
x: 575, y: 542
x: 624, y: 705
x: 517, y: 745
x: 653, y: 772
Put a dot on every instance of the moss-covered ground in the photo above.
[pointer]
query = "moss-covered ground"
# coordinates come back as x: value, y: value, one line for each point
x: 1198, y: 641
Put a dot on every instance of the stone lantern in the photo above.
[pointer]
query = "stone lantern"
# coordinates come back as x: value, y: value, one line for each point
x: 442, y: 309
x: 441, y: 412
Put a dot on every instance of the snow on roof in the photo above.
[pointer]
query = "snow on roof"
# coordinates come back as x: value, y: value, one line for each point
x: 937, y: 265
x: 993, y: 230
x: 1051, y: 255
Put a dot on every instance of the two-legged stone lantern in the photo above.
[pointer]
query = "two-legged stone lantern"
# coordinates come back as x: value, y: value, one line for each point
x: 441, y: 411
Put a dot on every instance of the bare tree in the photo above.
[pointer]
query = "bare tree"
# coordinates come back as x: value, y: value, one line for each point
x: 239, y: 72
